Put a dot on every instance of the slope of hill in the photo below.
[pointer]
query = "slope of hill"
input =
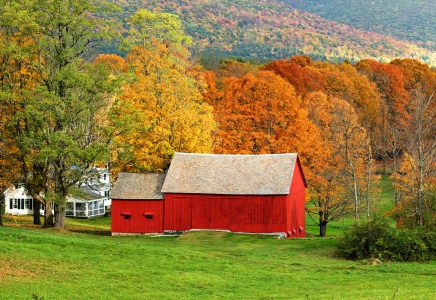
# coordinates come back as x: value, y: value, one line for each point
x: 272, y: 29
x: 412, y: 20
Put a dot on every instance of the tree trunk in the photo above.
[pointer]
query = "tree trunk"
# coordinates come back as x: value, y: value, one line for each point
x: 2, y: 208
x: 48, y: 215
x: 322, y: 229
x: 368, y: 182
x: 36, y: 215
x: 356, y: 198
x: 59, y: 216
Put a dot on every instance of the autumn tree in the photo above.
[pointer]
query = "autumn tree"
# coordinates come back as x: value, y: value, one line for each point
x: 59, y: 115
x: 416, y: 178
x: 342, y: 182
x: 162, y: 109
x: 261, y: 113
x: 300, y: 72
x: 18, y: 80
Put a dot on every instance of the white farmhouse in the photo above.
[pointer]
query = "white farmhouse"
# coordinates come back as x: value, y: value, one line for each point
x: 89, y: 200
x: 18, y: 202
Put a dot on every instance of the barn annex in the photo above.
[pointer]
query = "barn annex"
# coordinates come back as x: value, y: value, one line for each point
x: 240, y: 193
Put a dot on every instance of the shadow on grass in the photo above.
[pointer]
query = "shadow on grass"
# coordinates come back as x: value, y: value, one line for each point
x: 90, y: 231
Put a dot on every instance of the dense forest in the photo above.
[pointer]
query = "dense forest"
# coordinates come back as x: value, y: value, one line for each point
x: 412, y: 20
x: 273, y: 29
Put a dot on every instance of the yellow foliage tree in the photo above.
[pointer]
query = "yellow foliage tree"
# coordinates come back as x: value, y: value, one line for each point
x: 160, y: 112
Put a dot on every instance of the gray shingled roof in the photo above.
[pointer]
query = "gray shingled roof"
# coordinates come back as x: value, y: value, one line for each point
x: 138, y: 186
x: 84, y: 195
x: 268, y: 174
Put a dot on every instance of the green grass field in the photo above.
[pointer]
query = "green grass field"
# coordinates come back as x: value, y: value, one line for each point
x: 84, y: 262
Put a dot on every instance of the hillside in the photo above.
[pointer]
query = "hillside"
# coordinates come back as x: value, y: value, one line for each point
x: 412, y: 20
x: 273, y: 29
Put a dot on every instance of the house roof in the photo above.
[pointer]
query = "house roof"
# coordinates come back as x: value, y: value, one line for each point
x: 138, y: 186
x: 267, y: 174
x: 84, y: 195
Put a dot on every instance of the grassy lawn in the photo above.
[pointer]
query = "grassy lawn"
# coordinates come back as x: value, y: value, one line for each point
x: 83, y: 262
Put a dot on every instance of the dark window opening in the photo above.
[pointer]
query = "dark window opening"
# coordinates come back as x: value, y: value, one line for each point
x: 126, y: 215
x: 148, y: 215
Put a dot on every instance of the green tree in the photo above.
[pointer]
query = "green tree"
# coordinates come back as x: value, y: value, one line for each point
x: 60, y: 114
x: 146, y: 28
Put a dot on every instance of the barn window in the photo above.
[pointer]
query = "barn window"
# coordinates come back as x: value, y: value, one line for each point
x: 126, y: 215
x: 148, y: 215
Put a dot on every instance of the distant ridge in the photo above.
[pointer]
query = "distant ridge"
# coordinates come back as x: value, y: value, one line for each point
x: 412, y: 20
x: 269, y: 29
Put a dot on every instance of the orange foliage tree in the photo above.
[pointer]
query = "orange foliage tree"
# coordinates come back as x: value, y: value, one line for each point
x: 391, y: 85
x: 261, y: 113
x: 300, y: 72
x: 342, y: 182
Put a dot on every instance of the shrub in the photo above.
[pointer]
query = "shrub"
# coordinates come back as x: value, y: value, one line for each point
x: 377, y: 239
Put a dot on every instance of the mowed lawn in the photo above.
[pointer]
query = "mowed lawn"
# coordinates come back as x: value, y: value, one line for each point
x: 84, y: 262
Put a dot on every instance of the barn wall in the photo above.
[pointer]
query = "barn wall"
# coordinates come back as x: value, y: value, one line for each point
x: 235, y: 213
x: 296, y: 205
x: 138, y: 222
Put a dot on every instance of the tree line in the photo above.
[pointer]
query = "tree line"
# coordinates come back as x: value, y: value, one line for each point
x: 65, y: 109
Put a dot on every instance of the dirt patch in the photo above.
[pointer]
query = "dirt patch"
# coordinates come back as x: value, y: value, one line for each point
x: 9, y: 270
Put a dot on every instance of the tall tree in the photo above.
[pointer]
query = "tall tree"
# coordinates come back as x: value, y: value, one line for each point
x: 341, y: 183
x: 416, y: 177
x: 61, y: 113
x: 261, y: 113
x: 391, y: 85
x: 161, y: 110
x: 18, y: 82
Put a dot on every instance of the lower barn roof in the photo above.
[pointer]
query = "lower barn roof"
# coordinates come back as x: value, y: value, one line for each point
x: 132, y: 186
x: 267, y: 174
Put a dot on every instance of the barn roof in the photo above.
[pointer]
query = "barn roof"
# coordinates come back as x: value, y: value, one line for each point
x: 267, y: 174
x: 138, y: 186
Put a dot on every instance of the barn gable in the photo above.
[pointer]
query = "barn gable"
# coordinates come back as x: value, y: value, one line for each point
x: 267, y: 174
x: 131, y: 186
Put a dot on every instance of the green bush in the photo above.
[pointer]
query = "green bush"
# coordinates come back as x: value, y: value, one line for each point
x: 377, y: 239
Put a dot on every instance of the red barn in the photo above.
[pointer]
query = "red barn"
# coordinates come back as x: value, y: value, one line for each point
x: 240, y: 193
x: 137, y: 203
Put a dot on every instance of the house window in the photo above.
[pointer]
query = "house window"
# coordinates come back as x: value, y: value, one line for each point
x: 16, y: 203
x: 104, y: 177
x: 26, y: 204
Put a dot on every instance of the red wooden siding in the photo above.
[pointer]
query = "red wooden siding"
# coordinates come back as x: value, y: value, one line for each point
x: 138, y: 222
x: 236, y: 213
x: 178, y: 212
x: 296, y: 205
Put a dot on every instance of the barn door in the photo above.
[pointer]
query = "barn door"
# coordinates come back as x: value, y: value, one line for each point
x: 179, y: 213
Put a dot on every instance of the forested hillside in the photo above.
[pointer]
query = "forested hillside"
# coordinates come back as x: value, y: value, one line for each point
x: 405, y: 19
x: 273, y: 29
